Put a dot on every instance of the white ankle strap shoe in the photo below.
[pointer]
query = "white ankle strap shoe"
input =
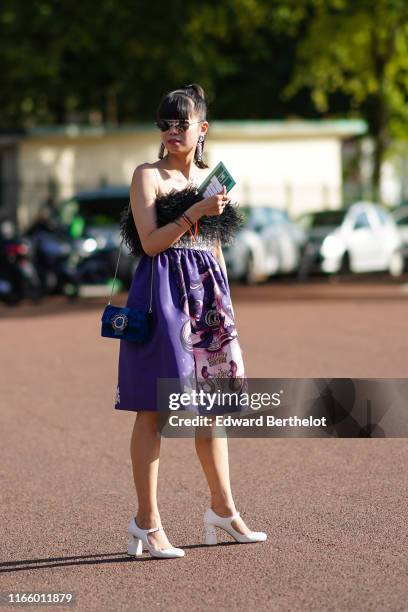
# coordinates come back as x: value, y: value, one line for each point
x: 213, y: 520
x: 138, y: 540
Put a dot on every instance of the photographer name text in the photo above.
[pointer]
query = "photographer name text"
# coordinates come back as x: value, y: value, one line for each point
x: 258, y: 421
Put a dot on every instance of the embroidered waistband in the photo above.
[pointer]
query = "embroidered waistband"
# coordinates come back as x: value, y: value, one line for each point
x: 197, y: 247
x: 200, y: 244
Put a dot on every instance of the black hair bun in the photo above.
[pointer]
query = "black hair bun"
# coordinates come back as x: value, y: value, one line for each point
x: 198, y: 90
x: 170, y: 206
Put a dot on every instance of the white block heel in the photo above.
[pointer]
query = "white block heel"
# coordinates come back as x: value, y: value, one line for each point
x: 135, y: 546
x: 213, y: 520
x: 210, y: 534
x: 138, y: 540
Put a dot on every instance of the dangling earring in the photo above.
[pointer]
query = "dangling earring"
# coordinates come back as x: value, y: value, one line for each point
x: 161, y: 151
x: 199, y: 149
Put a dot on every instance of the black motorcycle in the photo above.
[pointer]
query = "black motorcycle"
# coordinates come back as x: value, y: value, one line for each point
x: 53, y: 249
x: 94, y: 264
x: 19, y: 278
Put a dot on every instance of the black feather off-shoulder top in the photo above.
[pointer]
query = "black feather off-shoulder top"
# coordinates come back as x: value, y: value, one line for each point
x: 168, y: 207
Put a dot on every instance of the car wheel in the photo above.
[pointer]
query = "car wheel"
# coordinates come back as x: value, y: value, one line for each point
x: 13, y: 298
x: 397, y: 264
x: 345, y: 264
x: 249, y: 276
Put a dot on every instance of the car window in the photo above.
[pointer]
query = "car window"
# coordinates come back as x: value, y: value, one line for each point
x: 305, y: 220
x: 361, y: 221
x: 324, y: 218
x: 278, y: 216
x: 382, y: 216
x: 269, y: 216
x: 329, y: 217
x: 256, y: 218
x: 402, y: 221
x: 94, y: 211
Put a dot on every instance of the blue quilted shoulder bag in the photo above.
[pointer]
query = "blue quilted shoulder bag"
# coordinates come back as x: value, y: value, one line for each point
x: 123, y: 323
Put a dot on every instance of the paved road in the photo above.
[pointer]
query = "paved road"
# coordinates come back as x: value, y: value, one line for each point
x: 335, y: 509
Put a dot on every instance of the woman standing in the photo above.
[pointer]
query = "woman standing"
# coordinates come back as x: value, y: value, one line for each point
x: 194, y: 332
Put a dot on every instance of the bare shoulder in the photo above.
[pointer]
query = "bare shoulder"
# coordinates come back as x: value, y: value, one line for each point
x: 148, y: 165
x: 144, y: 184
x: 146, y: 175
x: 144, y: 169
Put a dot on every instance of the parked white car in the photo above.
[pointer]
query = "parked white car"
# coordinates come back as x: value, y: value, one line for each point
x: 268, y: 244
x: 361, y: 238
x: 400, y: 216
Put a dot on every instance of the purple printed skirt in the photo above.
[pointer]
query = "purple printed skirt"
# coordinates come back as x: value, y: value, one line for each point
x: 194, y: 336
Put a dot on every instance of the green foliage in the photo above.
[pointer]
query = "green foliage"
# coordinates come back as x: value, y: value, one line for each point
x: 111, y: 62
x: 361, y: 49
x: 65, y: 60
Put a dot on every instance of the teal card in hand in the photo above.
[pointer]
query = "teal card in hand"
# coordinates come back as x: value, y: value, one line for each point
x: 215, y: 181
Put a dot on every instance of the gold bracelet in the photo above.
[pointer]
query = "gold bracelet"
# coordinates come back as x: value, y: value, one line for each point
x: 188, y: 222
x: 188, y: 218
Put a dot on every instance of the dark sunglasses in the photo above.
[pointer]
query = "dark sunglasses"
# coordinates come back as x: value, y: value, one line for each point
x: 182, y: 125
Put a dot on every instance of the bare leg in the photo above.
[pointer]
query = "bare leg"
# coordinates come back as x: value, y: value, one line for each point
x: 213, y: 455
x: 145, y: 454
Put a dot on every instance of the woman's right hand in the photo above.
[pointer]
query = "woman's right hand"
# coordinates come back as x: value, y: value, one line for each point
x: 212, y: 206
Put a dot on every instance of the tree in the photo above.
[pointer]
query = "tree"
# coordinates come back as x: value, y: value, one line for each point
x: 64, y: 61
x: 360, y: 48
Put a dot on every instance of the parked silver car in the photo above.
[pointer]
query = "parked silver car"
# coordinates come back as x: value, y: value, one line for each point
x: 361, y: 238
x: 269, y: 244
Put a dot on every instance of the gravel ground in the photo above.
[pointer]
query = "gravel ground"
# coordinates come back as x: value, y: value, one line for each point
x: 335, y: 510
